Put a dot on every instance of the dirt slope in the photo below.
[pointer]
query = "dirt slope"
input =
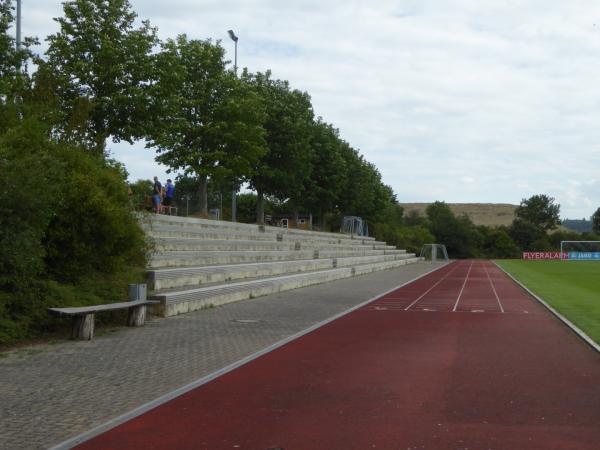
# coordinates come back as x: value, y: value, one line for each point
x: 491, y: 214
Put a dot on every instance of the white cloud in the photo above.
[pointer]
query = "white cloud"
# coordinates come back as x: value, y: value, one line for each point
x: 503, y: 93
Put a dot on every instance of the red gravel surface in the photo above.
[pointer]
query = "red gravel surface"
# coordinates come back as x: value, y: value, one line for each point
x: 459, y: 359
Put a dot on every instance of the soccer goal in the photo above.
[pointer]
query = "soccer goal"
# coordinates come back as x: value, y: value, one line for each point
x: 580, y: 250
x: 434, y: 252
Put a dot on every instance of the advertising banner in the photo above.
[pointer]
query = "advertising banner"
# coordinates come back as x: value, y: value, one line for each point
x: 584, y: 256
x: 544, y: 255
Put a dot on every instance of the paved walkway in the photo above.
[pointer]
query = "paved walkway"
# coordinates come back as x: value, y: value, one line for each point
x: 53, y: 392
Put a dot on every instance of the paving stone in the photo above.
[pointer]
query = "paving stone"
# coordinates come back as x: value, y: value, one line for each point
x: 50, y: 393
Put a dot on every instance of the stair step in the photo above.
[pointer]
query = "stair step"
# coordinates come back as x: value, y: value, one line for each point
x: 206, y: 258
x: 188, y: 222
x: 201, y: 275
x: 188, y: 244
x: 178, y: 302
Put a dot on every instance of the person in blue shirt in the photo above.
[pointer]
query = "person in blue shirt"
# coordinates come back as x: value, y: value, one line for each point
x: 169, y: 193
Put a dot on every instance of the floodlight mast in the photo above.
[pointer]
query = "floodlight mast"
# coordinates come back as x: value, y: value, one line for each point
x: 18, y: 40
x: 234, y: 38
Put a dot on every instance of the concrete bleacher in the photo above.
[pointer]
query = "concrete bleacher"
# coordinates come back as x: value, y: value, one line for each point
x: 200, y: 263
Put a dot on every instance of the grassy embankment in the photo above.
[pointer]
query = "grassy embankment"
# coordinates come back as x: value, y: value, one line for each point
x: 572, y: 288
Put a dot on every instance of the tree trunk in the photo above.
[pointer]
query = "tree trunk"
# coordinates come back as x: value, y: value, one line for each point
x: 260, y: 207
x: 203, y: 195
x: 295, y: 217
x: 322, y: 218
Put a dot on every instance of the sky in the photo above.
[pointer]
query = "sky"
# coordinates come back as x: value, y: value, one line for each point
x: 461, y: 101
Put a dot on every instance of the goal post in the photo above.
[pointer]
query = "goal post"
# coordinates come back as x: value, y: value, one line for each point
x: 580, y: 250
x: 434, y: 252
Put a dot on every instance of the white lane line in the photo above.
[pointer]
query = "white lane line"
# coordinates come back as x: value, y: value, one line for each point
x: 494, y: 289
x: 463, y: 288
x: 428, y: 290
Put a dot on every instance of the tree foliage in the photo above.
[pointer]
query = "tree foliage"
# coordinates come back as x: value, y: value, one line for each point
x: 596, y: 221
x: 324, y: 186
x: 540, y: 211
x: 15, y: 82
x: 99, y: 67
x: 213, y: 128
x: 67, y: 227
x: 459, y: 234
x: 285, y: 167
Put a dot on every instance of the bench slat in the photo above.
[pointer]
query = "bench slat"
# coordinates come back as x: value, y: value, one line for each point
x: 82, y: 310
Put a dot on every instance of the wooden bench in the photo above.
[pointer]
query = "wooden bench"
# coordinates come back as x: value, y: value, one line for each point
x: 83, y: 316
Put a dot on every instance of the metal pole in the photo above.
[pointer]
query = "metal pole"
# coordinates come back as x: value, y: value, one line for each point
x: 233, y: 205
x: 234, y: 59
x: 18, y: 24
x: 234, y: 38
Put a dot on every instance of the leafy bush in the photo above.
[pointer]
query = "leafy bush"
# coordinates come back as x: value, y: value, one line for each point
x: 497, y: 243
x: 140, y: 193
x: 69, y: 236
x: 409, y: 238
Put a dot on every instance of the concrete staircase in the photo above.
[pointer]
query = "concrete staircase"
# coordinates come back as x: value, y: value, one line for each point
x: 198, y: 263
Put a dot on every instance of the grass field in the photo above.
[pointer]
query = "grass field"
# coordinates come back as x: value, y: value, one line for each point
x: 572, y: 288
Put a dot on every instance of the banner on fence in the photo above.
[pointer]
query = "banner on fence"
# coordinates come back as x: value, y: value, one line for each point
x: 581, y: 256
x: 544, y: 255
x: 584, y: 256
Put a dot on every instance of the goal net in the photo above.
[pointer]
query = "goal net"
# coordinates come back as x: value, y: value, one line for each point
x: 580, y: 250
x: 434, y: 252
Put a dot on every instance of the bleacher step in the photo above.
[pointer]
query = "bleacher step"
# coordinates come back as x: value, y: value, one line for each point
x: 178, y: 302
x: 190, y: 258
x: 200, y: 275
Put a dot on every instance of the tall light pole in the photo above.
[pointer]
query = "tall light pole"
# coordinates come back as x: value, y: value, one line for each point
x: 18, y: 24
x: 234, y: 38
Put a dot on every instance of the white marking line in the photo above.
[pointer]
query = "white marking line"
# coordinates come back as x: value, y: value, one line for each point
x: 428, y: 290
x: 493, y: 288
x: 462, y: 288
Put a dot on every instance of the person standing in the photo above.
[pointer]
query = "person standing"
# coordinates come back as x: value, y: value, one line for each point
x: 170, y: 191
x: 157, y: 195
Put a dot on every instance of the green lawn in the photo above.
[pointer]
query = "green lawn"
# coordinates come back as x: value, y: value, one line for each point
x: 570, y: 287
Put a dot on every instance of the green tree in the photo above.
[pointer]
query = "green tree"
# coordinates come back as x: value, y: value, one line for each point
x: 323, y: 187
x: 140, y: 192
x: 460, y: 236
x: 541, y: 211
x: 283, y: 170
x: 68, y: 235
x: 413, y: 217
x: 524, y: 234
x: 596, y: 221
x: 214, y: 130
x: 363, y: 193
x: 497, y: 243
x: 100, y: 68
x: 15, y: 83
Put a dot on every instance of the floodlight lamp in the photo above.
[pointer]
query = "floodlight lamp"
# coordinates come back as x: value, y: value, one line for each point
x: 232, y: 35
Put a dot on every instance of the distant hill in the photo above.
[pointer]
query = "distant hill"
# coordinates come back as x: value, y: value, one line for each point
x: 581, y: 225
x: 490, y: 214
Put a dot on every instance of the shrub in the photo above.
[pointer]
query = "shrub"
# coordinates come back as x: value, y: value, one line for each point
x: 69, y: 235
x: 409, y: 238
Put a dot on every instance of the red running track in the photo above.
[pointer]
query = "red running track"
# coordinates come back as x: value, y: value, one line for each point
x: 460, y: 359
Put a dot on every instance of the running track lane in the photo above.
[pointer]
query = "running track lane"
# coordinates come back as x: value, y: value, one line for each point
x: 482, y: 366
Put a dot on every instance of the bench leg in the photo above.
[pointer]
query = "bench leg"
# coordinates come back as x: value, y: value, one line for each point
x: 83, y: 327
x: 137, y: 316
